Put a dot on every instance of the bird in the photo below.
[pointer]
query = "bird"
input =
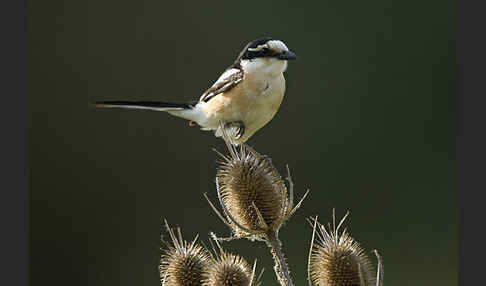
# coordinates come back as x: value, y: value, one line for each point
x: 244, y: 98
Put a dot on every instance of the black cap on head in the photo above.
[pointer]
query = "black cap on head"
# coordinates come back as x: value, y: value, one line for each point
x: 248, y: 54
x: 264, y: 47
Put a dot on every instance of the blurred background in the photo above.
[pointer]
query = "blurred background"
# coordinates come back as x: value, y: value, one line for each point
x: 368, y: 124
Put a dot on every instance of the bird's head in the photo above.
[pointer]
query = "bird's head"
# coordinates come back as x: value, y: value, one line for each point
x: 265, y: 53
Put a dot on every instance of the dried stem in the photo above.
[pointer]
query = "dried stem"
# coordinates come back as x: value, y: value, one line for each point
x: 281, y: 268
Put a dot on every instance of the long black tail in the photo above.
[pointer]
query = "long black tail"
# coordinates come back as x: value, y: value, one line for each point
x: 150, y: 105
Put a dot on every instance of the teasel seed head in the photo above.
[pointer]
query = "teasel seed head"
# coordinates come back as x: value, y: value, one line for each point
x: 228, y: 269
x: 252, y: 193
x: 336, y: 259
x: 183, y: 262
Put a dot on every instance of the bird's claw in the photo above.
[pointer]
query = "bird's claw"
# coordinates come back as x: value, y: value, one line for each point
x: 238, y: 124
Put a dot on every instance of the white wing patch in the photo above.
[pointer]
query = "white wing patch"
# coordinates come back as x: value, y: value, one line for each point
x: 227, y: 74
x: 225, y: 82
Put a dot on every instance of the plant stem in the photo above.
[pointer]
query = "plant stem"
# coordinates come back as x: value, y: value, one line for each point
x: 281, y: 268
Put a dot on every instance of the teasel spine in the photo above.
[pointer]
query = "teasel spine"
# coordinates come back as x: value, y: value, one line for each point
x: 380, y: 271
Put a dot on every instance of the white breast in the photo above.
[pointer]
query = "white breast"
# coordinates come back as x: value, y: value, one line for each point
x: 264, y: 67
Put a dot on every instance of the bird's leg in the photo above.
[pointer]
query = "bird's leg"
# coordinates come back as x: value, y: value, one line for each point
x: 240, y: 125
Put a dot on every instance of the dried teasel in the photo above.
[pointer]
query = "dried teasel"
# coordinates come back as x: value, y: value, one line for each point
x: 252, y: 194
x: 228, y: 269
x: 183, y: 262
x: 255, y: 200
x: 336, y: 259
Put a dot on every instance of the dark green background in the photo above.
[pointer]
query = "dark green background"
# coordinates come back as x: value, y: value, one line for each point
x: 368, y: 124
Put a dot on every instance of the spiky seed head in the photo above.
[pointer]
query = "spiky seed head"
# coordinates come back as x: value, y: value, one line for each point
x: 338, y: 260
x: 183, y: 262
x: 228, y: 270
x: 252, y: 191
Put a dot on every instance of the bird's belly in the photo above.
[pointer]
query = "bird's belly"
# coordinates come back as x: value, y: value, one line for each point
x: 263, y: 109
x: 261, y: 112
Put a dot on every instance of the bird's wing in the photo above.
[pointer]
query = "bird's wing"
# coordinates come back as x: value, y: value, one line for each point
x: 229, y: 79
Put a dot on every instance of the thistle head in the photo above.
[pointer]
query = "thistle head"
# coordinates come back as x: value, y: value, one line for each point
x: 183, y: 262
x: 253, y: 195
x: 252, y: 191
x: 228, y: 269
x: 336, y: 259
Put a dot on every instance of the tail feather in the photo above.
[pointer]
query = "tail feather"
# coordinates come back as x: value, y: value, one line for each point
x: 148, y: 105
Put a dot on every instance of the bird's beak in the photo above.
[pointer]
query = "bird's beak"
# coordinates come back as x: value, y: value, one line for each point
x: 288, y: 55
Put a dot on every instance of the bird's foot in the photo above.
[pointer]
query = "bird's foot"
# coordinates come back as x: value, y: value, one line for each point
x: 240, y: 127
